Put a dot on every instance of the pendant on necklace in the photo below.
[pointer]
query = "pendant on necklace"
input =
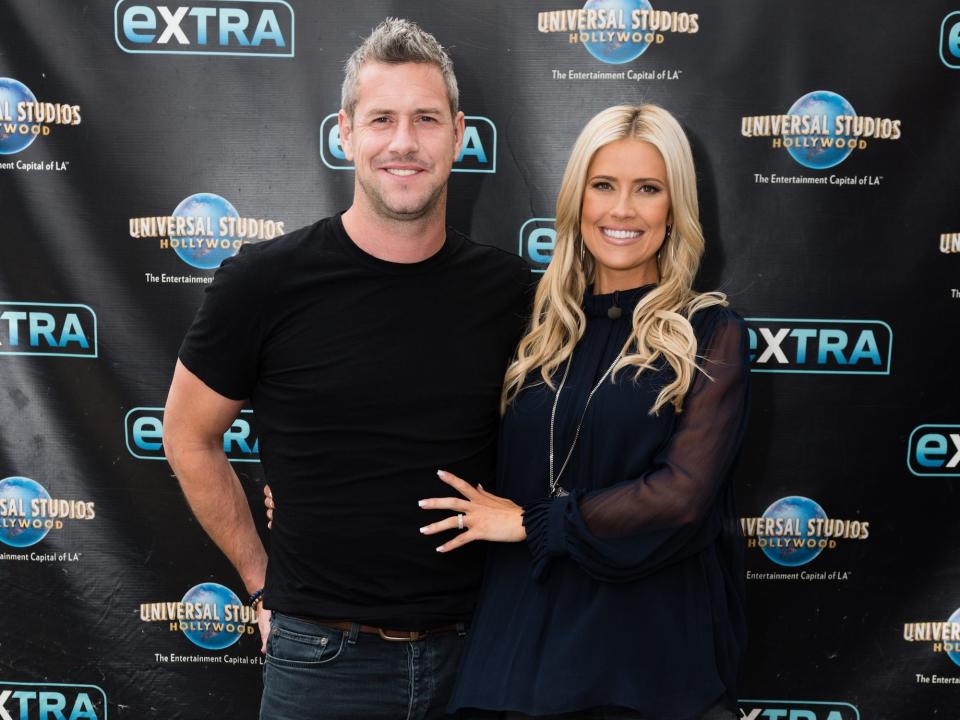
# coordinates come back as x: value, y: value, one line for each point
x: 560, y: 492
x: 614, y: 313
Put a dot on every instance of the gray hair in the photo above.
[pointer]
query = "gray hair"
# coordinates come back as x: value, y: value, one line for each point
x: 396, y: 41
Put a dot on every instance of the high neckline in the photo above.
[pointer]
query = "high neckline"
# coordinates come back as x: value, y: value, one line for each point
x: 626, y: 300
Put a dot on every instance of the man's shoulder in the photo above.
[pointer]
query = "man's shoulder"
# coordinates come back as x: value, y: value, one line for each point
x: 487, y: 258
x: 286, y: 246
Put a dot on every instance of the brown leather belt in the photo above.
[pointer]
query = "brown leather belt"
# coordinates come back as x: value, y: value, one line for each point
x: 390, y: 635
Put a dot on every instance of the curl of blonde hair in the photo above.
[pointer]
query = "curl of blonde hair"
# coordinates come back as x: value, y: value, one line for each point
x: 661, y: 325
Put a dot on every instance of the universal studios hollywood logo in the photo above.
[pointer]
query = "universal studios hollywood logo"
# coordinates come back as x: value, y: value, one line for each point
x: 23, y: 118
x: 820, y: 130
x: 210, y: 615
x: 794, y: 530
x: 943, y: 636
x: 28, y: 512
x: 204, y: 230
x: 617, y: 31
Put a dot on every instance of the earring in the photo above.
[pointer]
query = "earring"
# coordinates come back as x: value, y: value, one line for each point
x: 581, y: 249
x: 667, y: 235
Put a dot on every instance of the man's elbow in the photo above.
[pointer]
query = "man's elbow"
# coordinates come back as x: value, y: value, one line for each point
x: 180, y: 441
x: 172, y: 446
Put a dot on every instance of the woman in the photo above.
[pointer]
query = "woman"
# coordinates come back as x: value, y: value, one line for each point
x: 614, y: 589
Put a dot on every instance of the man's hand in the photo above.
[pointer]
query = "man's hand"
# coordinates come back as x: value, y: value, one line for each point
x: 263, y: 622
x: 484, y: 515
x: 268, y: 503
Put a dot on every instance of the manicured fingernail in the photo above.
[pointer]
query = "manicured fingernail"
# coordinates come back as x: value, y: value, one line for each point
x: 421, y: 502
x: 440, y: 473
x: 480, y: 486
x: 440, y: 549
x: 423, y: 529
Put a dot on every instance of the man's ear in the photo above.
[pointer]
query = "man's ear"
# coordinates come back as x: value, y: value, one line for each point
x: 346, y: 133
x: 459, y: 127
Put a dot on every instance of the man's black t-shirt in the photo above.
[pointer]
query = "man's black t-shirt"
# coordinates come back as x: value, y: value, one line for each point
x: 365, y: 377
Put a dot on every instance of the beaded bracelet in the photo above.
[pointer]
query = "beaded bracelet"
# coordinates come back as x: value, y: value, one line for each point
x: 255, y: 598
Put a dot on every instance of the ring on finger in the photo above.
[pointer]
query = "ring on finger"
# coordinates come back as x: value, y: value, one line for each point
x: 459, y: 521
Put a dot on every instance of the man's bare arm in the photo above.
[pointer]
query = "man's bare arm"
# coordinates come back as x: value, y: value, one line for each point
x: 194, y: 421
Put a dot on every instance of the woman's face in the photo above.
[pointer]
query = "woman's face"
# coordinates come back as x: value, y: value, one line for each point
x: 625, y: 212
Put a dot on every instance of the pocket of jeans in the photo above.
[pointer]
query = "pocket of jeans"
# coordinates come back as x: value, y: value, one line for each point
x: 302, y: 649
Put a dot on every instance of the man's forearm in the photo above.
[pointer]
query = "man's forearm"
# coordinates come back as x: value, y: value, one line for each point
x: 217, y: 499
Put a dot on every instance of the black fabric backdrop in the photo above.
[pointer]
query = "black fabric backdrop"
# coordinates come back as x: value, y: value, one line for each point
x: 795, y: 252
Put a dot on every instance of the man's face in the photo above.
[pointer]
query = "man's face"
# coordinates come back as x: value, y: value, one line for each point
x: 401, y: 138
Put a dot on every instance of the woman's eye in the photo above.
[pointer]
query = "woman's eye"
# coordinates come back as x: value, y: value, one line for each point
x: 649, y: 189
x: 601, y: 185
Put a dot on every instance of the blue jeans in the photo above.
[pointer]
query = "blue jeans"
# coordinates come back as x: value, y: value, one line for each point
x: 717, y: 712
x: 318, y: 672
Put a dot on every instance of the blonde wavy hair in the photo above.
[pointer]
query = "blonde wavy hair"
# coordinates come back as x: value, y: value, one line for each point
x: 661, y: 325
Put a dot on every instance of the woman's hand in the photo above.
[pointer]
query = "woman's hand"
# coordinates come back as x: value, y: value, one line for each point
x: 268, y: 502
x: 485, y: 516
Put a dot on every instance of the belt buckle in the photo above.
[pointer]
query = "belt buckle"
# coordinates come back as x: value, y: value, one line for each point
x: 412, y: 636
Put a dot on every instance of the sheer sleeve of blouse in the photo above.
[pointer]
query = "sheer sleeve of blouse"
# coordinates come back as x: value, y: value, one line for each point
x: 673, y: 510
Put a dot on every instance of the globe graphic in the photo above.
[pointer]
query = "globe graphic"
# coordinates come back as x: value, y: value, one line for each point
x: 214, y: 207
x: 790, y: 508
x: 13, y: 92
x: 615, y: 51
x: 15, y: 490
x: 817, y: 103
x: 955, y: 655
x: 211, y: 594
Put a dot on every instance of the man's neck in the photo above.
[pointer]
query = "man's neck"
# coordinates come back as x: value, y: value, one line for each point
x: 398, y: 241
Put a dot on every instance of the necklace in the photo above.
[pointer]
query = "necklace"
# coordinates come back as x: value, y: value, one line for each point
x: 557, y: 490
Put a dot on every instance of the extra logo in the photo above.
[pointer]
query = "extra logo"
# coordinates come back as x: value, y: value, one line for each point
x: 204, y: 230
x: 945, y: 636
x: 51, y: 701
x: 617, y: 31
x: 241, y: 28
x: 210, y: 615
x: 23, y: 118
x: 815, y: 346
x: 28, y: 512
x: 934, y: 450
x: 50, y: 329
x: 538, y: 238
x: 950, y: 40
x: 143, y: 430
x: 820, y: 130
x: 797, y: 710
x: 794, y: 530
x: 478, y: 154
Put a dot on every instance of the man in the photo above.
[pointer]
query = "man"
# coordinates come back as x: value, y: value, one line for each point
x: 372, y: 347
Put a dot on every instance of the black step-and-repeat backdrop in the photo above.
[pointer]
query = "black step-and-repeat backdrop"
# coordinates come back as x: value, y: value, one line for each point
x: 142, y: 143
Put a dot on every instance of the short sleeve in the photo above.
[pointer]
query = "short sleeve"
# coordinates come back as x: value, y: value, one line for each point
x: 222, y: 346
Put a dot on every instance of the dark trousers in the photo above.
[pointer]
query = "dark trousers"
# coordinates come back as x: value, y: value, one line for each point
x: 717, y: 712
x: 315, y: 672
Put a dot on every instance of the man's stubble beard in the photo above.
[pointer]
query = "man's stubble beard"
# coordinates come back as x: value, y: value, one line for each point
x: 383, y: 209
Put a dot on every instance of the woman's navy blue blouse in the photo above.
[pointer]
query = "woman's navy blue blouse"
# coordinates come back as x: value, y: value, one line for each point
x: 628, y: 591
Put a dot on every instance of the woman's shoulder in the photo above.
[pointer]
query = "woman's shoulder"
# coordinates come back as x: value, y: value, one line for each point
x: 720, y: 331
x: 707, y: 317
